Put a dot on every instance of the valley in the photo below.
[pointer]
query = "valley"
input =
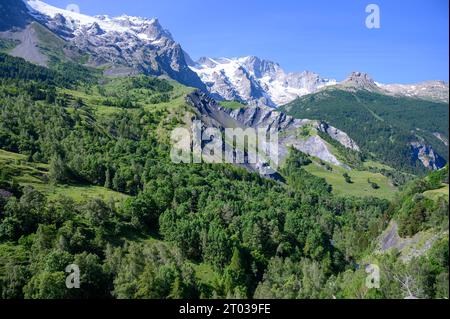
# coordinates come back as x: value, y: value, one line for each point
x: 88, y: 105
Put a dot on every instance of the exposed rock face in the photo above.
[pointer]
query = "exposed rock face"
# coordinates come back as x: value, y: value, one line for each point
x: 409, y: 248
x: 125, y: 45
x: 339, y: 136
x: 288, y: 128
x: 437, y: 91
x: 280, y: 122
x: 27, y: 45
x: 255, y: 81
x: 360, y: 81
x: 426, y: 155
x: 212, y: 115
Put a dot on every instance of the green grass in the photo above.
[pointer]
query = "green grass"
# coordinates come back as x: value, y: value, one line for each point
x: 34, y: 174
x: 234, y: 105
x: 360, y: 187
x: 373, y: 164
x: 206, y: 274
x: 437, y: 193
x: 94, y: 99
x: 49, y: 44
x: 79, y: 193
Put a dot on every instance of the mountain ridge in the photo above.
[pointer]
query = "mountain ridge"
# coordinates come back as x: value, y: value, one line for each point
x: 122, y: 45
x: 125, y: 45
x: 404, y: 131
x: 236, y: 78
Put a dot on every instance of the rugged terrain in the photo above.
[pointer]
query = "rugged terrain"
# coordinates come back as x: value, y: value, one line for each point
x: 86, y: 175
x: 403, y: 132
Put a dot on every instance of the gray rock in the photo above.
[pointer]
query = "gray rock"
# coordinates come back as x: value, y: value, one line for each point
x: 426, y: 155
x: 121, y: 42
x: 287, y: 128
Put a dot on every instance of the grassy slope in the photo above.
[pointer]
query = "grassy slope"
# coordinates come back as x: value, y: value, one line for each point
x: 234, y: 105
x: 116, y: 86
x: 360, y: 187
x: 436, y: 193
x: 34, y: 174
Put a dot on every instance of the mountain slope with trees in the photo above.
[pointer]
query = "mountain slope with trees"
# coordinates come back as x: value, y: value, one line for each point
x: 182, y: 231
x: 393, y: 130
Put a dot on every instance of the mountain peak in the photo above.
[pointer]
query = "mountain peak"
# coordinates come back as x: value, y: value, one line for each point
x: 123, y: 44
x: 360, y: 81
x: 255, y: 80
x: 359, y: 77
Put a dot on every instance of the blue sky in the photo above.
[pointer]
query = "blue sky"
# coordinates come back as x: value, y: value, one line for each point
x: 325, y: 36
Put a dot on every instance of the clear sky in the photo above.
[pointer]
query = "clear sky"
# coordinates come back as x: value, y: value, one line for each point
x: 325, y: 36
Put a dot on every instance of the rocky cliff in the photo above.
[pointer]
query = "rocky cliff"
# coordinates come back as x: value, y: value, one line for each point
x: 298, y: 133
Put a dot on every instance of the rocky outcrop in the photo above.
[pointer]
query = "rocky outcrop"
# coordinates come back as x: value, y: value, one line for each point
x: 122, y: 45
x: 291, y: 131
x: 426, y: 155
x: 410, y: 247
x: 339, y: 136
x: 441, y: 138
x: 359, y: 81
x: 283, y: 123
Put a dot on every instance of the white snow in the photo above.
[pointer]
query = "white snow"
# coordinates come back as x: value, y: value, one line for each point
x: 77, y: 20
x: 276, y: 86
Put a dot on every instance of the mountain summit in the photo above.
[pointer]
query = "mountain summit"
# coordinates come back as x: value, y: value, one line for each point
x: 255, y: 81
x: 360, y: 81
x: 127, y: 45
x: 122, y: 45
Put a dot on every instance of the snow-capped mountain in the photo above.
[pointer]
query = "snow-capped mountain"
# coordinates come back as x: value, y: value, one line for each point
x: 432, y: 90
x: 78, y: 24
x: 261, y: 82
x: 127, y: 45
x: 124, y: 44
x: 255, y: 81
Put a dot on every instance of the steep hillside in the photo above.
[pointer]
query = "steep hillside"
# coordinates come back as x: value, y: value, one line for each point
x: 87, y: 175
x: 72, y: 139
x: 121, y: 46
x: 401, y: 132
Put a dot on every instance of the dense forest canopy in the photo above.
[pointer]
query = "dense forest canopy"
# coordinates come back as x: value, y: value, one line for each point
x: 181, y: 231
